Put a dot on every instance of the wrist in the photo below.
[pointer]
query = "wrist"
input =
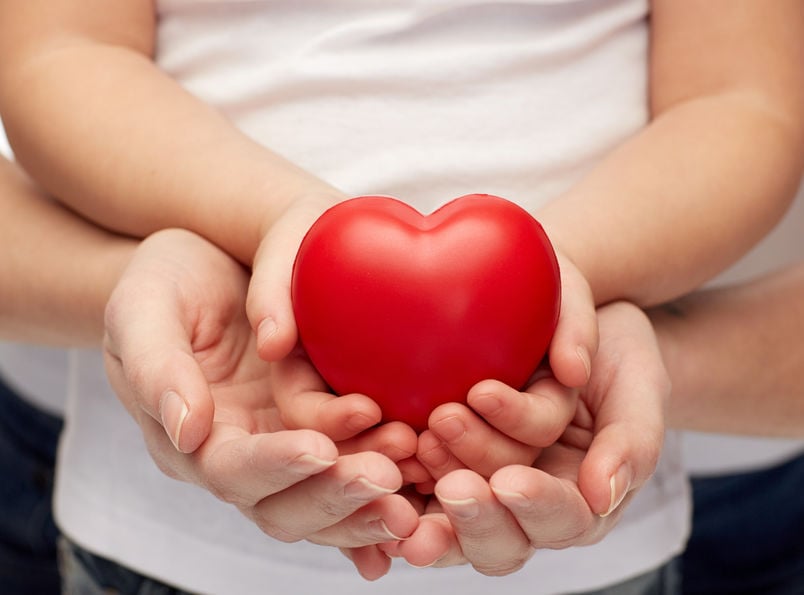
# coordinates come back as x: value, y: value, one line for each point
x: 669, y: 321
x: 572, y: 254
x: 304, y: 208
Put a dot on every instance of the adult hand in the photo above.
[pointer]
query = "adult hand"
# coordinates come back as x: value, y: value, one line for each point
x: 575, y: 491
x: 181, y: 356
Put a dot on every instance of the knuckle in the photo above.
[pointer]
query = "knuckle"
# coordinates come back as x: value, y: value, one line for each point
x: 218, y: 490
x: 164, y: 466
x: 552, y: 423
x: 220, y: 487
x: 273, y: 529
x: 581, y: 533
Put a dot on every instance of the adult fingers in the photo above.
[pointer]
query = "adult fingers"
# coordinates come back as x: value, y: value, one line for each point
x: 489, y: 535
x: 549, y: 509
x: 433, y: 543
x: 627, y: 406
x: 293, y: 485
x: 327, y: 498
x: 151, y: 366
x: 390, y: 518
x: 239, y: 467
x: 371, y: 562
x: 244, y: 469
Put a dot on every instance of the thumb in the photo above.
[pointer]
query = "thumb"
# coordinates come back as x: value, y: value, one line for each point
x: 628, y: 410
x: 269, y: 306
x: 151, y: 367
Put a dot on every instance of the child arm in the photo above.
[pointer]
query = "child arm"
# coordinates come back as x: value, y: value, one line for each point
x: 716, y: 167
x: 93, y: 120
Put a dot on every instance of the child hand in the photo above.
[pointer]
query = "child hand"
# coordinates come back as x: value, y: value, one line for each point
x: 268, y: 304
x: 575, y: 341
x: 575, y: 492
x: 304, y: 401
x: 301, y: 395
x: 505, y: 426
x: 500, y: 426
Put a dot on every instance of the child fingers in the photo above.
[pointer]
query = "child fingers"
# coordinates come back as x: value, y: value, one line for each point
x: 395, y: 440
x: 474, y: 443
x: 536, y: 417
x: 303, y: 400
x: 576, y: 338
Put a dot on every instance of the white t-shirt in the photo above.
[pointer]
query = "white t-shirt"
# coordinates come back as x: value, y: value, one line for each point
x: 37, y: 374
x: 424, y: 100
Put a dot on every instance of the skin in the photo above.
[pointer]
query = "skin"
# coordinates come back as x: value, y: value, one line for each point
x: 601, y: 460
x: 734, y: 356
x: 740, y: 347
x: 61, y: 272
x: 728, y: 106
x: 293, y: 484
x: 633, y: 201
x: 616, y: 431
x: 46, y: 248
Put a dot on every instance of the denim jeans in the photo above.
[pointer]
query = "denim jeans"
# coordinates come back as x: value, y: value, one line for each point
x: 84, y: 573
x: 28, y: 438
x: 748, y: 533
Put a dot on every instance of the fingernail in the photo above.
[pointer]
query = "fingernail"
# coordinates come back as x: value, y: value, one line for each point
x: 308, y: 464
x: 432, y: 452
x: 463, y: 509
x: 449, y: 429
x: 266, y: 330
x: 512, y: 500
x: 357, y: 422
x: 173, y: 411
x: 412, y: 565
x: 383, y: 530
x: 583, y: 355
x: 619, y: 483
x: 362, y: 489
x: 487, y: 405
x: 437, y: 457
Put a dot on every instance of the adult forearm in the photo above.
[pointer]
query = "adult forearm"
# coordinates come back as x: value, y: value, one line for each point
x: 736, y: 356
x: 679, y: 201
x: 57, y: 270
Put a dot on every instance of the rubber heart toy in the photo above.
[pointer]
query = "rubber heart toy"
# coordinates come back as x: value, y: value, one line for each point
x: 414, y: 310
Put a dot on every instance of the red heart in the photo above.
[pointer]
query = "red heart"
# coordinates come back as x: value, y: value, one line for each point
x: 414, y: 310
